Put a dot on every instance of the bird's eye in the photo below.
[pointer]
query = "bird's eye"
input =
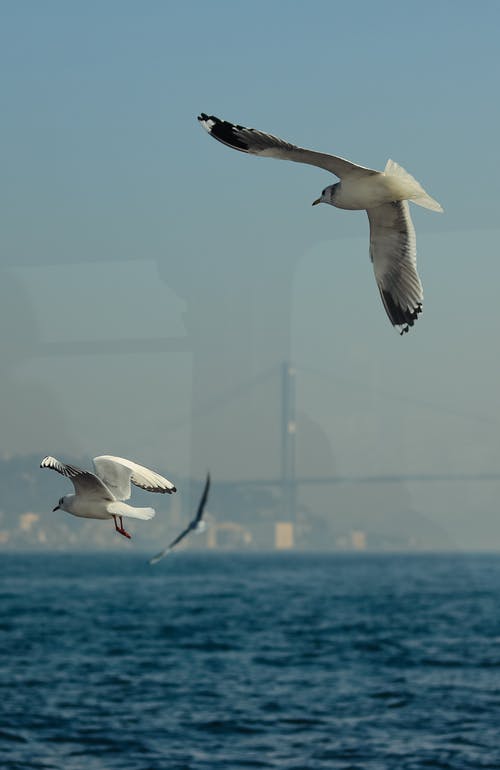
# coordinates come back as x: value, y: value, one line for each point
x: 324, y: 191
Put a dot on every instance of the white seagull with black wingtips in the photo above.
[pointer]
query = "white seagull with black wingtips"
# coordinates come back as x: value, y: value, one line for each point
x: 100, y: 495
x: 384, y: 196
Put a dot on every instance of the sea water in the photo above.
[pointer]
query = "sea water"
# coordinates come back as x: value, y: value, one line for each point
x: 218, y: 660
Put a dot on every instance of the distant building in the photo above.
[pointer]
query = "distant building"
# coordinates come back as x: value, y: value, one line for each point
x: 228, y: 534
x: 354, y: 541
x: 26, y: 521
x: 283, y: 535
x: 358, y: 540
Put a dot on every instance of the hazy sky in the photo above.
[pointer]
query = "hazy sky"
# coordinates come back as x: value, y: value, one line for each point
x: 147, y: 272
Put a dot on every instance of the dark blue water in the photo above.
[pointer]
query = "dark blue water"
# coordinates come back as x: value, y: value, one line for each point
x: 231, y: 661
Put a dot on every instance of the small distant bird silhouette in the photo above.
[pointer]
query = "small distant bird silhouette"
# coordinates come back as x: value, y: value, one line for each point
x: 100, y: 495
x: 195, y: 523
x: 384, y: 196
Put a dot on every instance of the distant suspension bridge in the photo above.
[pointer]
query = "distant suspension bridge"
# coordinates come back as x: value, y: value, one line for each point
x: 288, y: 481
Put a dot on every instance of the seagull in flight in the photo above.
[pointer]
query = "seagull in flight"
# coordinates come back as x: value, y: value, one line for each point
x: 195, y: 523
x: 383, y: 194
x: 100, y: 495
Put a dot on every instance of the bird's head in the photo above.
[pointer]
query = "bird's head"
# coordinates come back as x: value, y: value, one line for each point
x: 59, y: 505
x: 328, y: 195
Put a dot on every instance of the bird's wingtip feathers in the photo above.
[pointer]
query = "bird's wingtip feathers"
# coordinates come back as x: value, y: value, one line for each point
x: 206, y: 121
x: 159, y: 556
x: 228, y: 133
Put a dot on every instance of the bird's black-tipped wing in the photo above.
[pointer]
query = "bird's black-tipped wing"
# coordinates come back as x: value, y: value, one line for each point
x: 83, y: 481
x: 118, y: 473
x: 259, y: 143
x: 192, y: 524
x: 393, y: 251
x: 202, y: 503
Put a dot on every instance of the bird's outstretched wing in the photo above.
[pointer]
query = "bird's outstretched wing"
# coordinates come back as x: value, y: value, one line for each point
x: 192, y: 524
x: 172, y: 545
x: 266, y: 145
x: 84, y: 482
x: 203, y: 502
x: 117, y: 473
x: 393, y: 251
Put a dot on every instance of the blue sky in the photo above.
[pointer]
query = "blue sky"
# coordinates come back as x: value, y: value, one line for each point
x: 147, y: 270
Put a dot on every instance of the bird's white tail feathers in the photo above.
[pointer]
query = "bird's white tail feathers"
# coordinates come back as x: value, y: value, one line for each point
x: 122, y: 509
x: 416, y: 192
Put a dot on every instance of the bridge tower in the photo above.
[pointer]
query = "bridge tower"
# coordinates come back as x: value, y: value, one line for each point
x: 288, y: 433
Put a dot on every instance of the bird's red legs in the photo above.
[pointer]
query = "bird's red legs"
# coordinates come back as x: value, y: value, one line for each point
x: 121, y: 529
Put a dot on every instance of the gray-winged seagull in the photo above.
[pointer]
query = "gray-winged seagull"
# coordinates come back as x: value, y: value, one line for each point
x: 384, y: 195
x: 100, y: 495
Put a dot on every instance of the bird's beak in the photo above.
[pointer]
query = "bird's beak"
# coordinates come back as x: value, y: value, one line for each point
x: 315, y: 203
x: 55, y: 509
